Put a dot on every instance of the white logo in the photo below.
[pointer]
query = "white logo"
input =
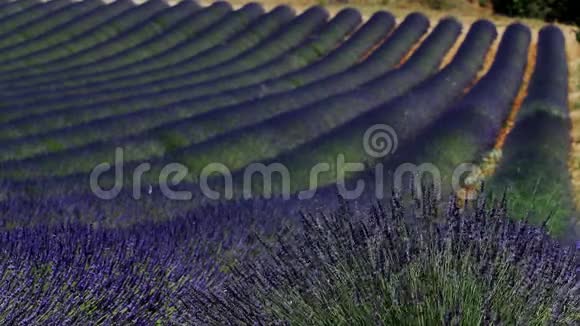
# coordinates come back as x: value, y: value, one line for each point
x: 380, y: 140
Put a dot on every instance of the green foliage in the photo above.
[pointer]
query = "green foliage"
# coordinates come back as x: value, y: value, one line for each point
x: 527, y: 8
x: 535, y: 171
x: 172, y: 141
x: 396, y: 267
x: 53, y: 145
x: 455, y: 293
x: 550, y: 10
x: 438, y: 4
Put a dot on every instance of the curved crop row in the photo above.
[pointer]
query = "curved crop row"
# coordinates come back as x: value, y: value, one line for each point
x: 147, y: 72
x: 299, y: 30
x: 176, y: 64
x: 183, y: 31
x: 216, y: 34
x: 294, y: 37
x: 63, y: 32
x: 272, y: 128
x: 534, y: 167
x: 214, y: 102
x: 327, y: 70
x: 108, y: 38
x: 10, y: 8
x: 469, y: 130
x: 47, y: 27
x: 163, y: 50
x: 408, y: 114
x: 307, y: 52
x: 147, y: 30
x: 30, y: 16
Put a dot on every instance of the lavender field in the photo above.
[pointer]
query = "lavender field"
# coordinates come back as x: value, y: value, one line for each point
x: 188, y: 164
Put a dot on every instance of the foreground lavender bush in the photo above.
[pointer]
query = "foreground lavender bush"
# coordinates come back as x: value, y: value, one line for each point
x: 83, y: 275
x: 406, y: 265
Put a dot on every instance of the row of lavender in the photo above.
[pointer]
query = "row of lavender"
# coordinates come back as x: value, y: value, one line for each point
x: 339, y: 100
x: 67, y: 257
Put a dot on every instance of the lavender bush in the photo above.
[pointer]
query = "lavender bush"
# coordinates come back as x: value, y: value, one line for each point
x: 79, y: 274
x: 407, y: 264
